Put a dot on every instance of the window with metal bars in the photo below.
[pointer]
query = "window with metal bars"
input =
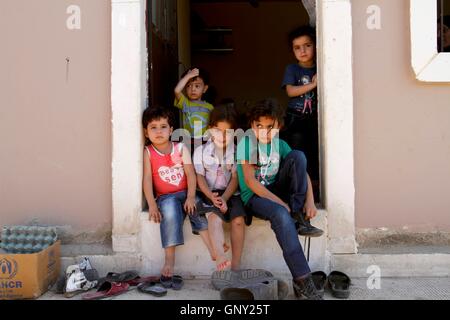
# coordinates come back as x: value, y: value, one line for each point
x: 443, y: 25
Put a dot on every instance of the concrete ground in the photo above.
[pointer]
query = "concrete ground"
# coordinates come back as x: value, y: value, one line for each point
x: 390, y: 289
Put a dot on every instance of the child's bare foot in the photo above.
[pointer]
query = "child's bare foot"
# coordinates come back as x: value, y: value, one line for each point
x: 223, y: 264
x: 213, y: 255
x: 167, y: 271
x: 226, y: 248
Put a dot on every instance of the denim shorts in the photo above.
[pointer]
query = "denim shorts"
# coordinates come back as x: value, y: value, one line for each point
x: 173, y: 215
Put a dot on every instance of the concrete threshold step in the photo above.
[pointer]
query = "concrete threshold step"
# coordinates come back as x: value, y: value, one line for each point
x: 393, y: 265
x: 101, y: 256
x: 405, y: 249
x: 74, y: 250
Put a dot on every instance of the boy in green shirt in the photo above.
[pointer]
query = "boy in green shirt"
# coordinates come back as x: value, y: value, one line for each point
x: 195, y: 117
x: 276, y: 187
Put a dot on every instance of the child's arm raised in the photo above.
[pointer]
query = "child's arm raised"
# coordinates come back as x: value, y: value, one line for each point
x: 189, y: 171
x: 147, y: 185
x: 183, y: 82
x: 257, y: 187
x: 297, y: 91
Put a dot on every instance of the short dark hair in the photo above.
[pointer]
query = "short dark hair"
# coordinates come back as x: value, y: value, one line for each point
x: 223, y: 112
x: 301, y: 31
x: 156, y: 113
x: 269, y: 108
x: 203, y: 74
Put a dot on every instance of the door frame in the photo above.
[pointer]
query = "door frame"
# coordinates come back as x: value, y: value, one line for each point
x: 129, y: 98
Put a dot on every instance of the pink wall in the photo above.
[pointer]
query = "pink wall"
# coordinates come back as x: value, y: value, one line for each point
x: 402, y: 129
x: 55, y: 130
x: 55, y: 134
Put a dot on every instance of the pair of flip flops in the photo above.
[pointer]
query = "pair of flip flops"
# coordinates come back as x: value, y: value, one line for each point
x: 337, y: 281
x: 131, y: 277
x: 117, y: 283
x: 159, y: 288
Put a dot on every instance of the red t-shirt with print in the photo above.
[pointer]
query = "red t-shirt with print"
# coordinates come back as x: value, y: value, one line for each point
x: 167, y: 170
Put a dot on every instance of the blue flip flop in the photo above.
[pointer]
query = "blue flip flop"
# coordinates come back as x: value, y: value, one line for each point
x: 153, y: 288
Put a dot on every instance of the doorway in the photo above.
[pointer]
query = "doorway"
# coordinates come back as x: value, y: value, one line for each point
x: 129, y: 97
x: 443, y: 25
x: 244, y: 46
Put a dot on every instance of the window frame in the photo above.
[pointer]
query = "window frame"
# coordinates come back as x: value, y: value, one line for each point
x: 428, y: 64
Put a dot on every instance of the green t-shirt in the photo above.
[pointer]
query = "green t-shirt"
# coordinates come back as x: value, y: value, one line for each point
x: 195, y: 116
x: 266, y: 157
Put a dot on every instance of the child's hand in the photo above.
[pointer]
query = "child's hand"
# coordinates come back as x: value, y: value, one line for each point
x: 216, y: 200
x: 192, y: 73
x: 224, y: 207
x: 287, y: 207
x: 310, y: 209
x: 154, y: 214
x: 189, y: 206
x: 222, y: 204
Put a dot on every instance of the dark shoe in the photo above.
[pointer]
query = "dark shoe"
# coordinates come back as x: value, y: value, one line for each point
x: 305, y: 228
x: 178, y: 282
x: 339, y: 284
x: 320, y: 280
x: 175, y: 282
x: 305, y: 289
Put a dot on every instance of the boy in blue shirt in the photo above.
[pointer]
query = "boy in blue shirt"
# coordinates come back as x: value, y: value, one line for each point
x: 300, y: 83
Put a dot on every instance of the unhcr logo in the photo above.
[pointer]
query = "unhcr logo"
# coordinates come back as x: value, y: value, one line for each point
x: 8, y: 269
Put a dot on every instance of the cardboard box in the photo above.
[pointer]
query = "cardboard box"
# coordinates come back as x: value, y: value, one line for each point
x: 28, y: 276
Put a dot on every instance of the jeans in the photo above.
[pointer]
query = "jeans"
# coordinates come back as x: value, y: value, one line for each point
x: 291, y: 183
x: 173, y: 215
x: 302, y: 134
x: 291, y: 186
